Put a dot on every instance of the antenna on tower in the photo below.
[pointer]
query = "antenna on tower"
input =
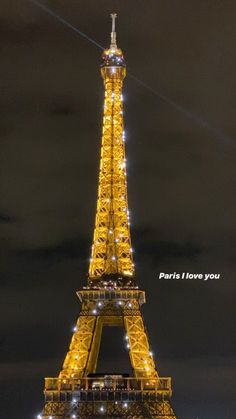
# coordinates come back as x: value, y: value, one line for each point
x: 113, y: 30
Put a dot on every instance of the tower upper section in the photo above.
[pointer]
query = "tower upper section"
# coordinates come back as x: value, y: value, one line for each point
x: 111, y: 259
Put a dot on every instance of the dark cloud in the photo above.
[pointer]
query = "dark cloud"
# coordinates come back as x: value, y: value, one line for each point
x: 67, y: 250
x: 62, y: 110
x: 159, y: 250
x: 5, y: 218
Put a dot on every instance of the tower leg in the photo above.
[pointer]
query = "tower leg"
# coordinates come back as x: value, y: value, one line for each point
x: 137, y: 340
x: 76, y: 360
x: 76, y: 394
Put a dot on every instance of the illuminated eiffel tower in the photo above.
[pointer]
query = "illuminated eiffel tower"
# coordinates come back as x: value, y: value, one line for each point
x: 111, y: 297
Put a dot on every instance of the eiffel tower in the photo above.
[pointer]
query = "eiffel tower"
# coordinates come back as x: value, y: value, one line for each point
x: 111, y: 296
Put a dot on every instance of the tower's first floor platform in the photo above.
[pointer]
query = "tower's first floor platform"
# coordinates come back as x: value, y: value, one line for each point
x: 108, y: 396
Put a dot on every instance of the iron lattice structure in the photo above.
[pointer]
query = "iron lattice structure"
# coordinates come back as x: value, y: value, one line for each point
x: 111, y: 250
x: 111, y: 297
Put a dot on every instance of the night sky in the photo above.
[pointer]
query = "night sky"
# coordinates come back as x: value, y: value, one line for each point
x: 181, y: 180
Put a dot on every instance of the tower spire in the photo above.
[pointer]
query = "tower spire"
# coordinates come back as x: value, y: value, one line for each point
x: 113, y: 31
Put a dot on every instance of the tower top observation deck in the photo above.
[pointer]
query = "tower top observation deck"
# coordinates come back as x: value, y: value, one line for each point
x: 113, y: 56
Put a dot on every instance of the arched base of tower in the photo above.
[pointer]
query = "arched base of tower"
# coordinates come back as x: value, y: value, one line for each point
x: 109, y: 410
